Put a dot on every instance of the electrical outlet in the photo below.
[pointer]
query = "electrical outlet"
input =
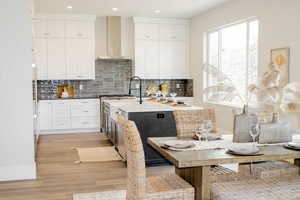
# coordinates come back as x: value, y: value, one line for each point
x: 177, y: 85
x: 137, y: 86
x: 80, y: 87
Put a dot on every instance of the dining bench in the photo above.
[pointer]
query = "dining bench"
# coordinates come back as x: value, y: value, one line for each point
x: 287, y: 188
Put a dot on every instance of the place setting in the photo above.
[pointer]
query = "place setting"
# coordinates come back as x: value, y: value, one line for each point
x: 247, y: 149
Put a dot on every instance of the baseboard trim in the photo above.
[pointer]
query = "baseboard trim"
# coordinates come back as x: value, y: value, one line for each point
x: 18, y: 172
x: 67, y: 131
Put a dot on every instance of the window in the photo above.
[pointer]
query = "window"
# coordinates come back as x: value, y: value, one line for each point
x: 233, y: 50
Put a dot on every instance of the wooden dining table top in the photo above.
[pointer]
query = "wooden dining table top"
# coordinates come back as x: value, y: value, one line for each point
x: 185, y: 159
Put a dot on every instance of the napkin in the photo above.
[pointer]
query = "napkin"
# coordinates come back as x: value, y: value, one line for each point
x: 178, y: 144
x: 294, y: 144
x: 209, y: 136
x: 247, y: 150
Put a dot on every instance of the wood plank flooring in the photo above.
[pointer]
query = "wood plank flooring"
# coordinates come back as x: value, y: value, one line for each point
x: 59, y: 178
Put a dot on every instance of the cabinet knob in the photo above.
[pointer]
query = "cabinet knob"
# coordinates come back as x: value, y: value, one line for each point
x: 46, y: 34
x: 80, y: 34
x: 173, y: 37
x: 147, y: 36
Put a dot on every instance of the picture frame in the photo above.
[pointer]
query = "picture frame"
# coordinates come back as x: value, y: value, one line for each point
x: 280, y: 57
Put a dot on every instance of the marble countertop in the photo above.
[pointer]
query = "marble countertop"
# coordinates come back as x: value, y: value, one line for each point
x: 132, y: 105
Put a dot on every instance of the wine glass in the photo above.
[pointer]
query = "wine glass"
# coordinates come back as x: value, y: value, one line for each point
x: 200, y: 132
x: 208, y: 126
x: 254, y: 132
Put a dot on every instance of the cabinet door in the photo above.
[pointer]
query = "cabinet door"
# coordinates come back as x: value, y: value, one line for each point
x: 40, y: 57
x: 40, y: 28
x: 45, y: 115
x: 80, y: 59
x: 146, y: 31
x: 56, y: 28
x: 174, y: 32
x: 56, y: 59
x: 173, y: 62
x: 79, y: 29
x: 147, y: 59
x: 49, y: 28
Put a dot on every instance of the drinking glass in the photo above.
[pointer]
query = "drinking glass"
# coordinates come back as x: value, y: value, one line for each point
x: 254, y: 132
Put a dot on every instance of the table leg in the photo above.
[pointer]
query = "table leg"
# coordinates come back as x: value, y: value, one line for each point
x: 198, y: 177
x: 297, y: 163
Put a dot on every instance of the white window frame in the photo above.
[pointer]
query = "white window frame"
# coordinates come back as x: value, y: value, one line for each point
x: 206, y: 56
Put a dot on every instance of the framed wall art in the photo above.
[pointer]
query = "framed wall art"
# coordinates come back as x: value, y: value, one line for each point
x: 281, y: 59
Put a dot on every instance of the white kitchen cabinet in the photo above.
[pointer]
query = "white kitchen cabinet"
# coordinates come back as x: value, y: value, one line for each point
x: 173, y: 32
x: 79, y: 29
x: 80, y: 59
x: 147, y: 59
x: 69, y: 116
x: 40, y: 57
x: 64, y: 47
x: 56, y: 56
x: 146, y: 31
x: 45, y: 115
x: 173, y: 60
x: 49, y: 28
x: 161, y: 48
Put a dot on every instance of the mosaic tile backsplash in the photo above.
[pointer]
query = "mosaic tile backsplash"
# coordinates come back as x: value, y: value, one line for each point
x: 112, y: 77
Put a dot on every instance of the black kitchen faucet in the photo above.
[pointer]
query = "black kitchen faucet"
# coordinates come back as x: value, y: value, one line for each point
x: 140, y: 86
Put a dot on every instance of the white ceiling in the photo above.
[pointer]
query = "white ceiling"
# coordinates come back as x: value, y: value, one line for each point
x: 143, y: 8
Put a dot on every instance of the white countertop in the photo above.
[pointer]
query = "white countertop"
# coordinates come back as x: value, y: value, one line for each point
x: 132, y: 105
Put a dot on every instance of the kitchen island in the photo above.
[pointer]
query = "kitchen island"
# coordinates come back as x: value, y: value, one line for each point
x: 153, y: 119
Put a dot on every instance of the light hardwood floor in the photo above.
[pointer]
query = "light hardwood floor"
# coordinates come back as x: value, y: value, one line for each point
x: 58, y: 176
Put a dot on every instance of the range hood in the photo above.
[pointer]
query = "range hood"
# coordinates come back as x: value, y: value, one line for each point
x: 119, y: 37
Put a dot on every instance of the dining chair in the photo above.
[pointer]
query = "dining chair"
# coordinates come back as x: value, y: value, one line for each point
x: 189, y: 121
x: 140, y: 187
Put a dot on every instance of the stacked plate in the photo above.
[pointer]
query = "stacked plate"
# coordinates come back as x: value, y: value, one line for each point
x: 178, y: 145
x: 244, y: 151
x: 293, y: 145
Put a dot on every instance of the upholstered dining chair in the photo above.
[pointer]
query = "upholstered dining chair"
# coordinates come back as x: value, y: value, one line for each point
x: 164, y: 187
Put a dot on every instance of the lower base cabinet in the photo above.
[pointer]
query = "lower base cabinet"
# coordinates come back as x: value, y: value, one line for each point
x: 69, y: 116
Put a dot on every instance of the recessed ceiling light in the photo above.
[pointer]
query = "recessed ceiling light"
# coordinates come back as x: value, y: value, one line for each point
x: 69, y: 7
x: 115, y: 9
x: 157, y: 11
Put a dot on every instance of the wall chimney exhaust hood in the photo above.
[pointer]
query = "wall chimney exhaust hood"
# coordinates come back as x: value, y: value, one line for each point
x: 119, y: 37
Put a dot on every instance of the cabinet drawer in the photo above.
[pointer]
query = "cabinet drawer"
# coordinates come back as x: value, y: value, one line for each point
x: 85, y: 102
x: 61, y: 124
x: 86, y: 111
x: 85, y: 123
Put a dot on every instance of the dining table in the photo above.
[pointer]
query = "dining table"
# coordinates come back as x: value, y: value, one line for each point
x: 194, y: 166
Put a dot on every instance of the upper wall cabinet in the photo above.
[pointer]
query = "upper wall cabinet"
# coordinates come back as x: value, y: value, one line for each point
x: 79, y: 29
x: 161, y: 48
x: 49, y: 28
x: 144, y: 31
x: 64, y: 47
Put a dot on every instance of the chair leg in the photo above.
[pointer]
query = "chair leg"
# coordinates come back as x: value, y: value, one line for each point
x: 297, y: 163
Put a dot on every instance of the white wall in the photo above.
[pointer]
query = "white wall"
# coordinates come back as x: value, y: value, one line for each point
x: 16, y: 124
x: 279, y: 27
